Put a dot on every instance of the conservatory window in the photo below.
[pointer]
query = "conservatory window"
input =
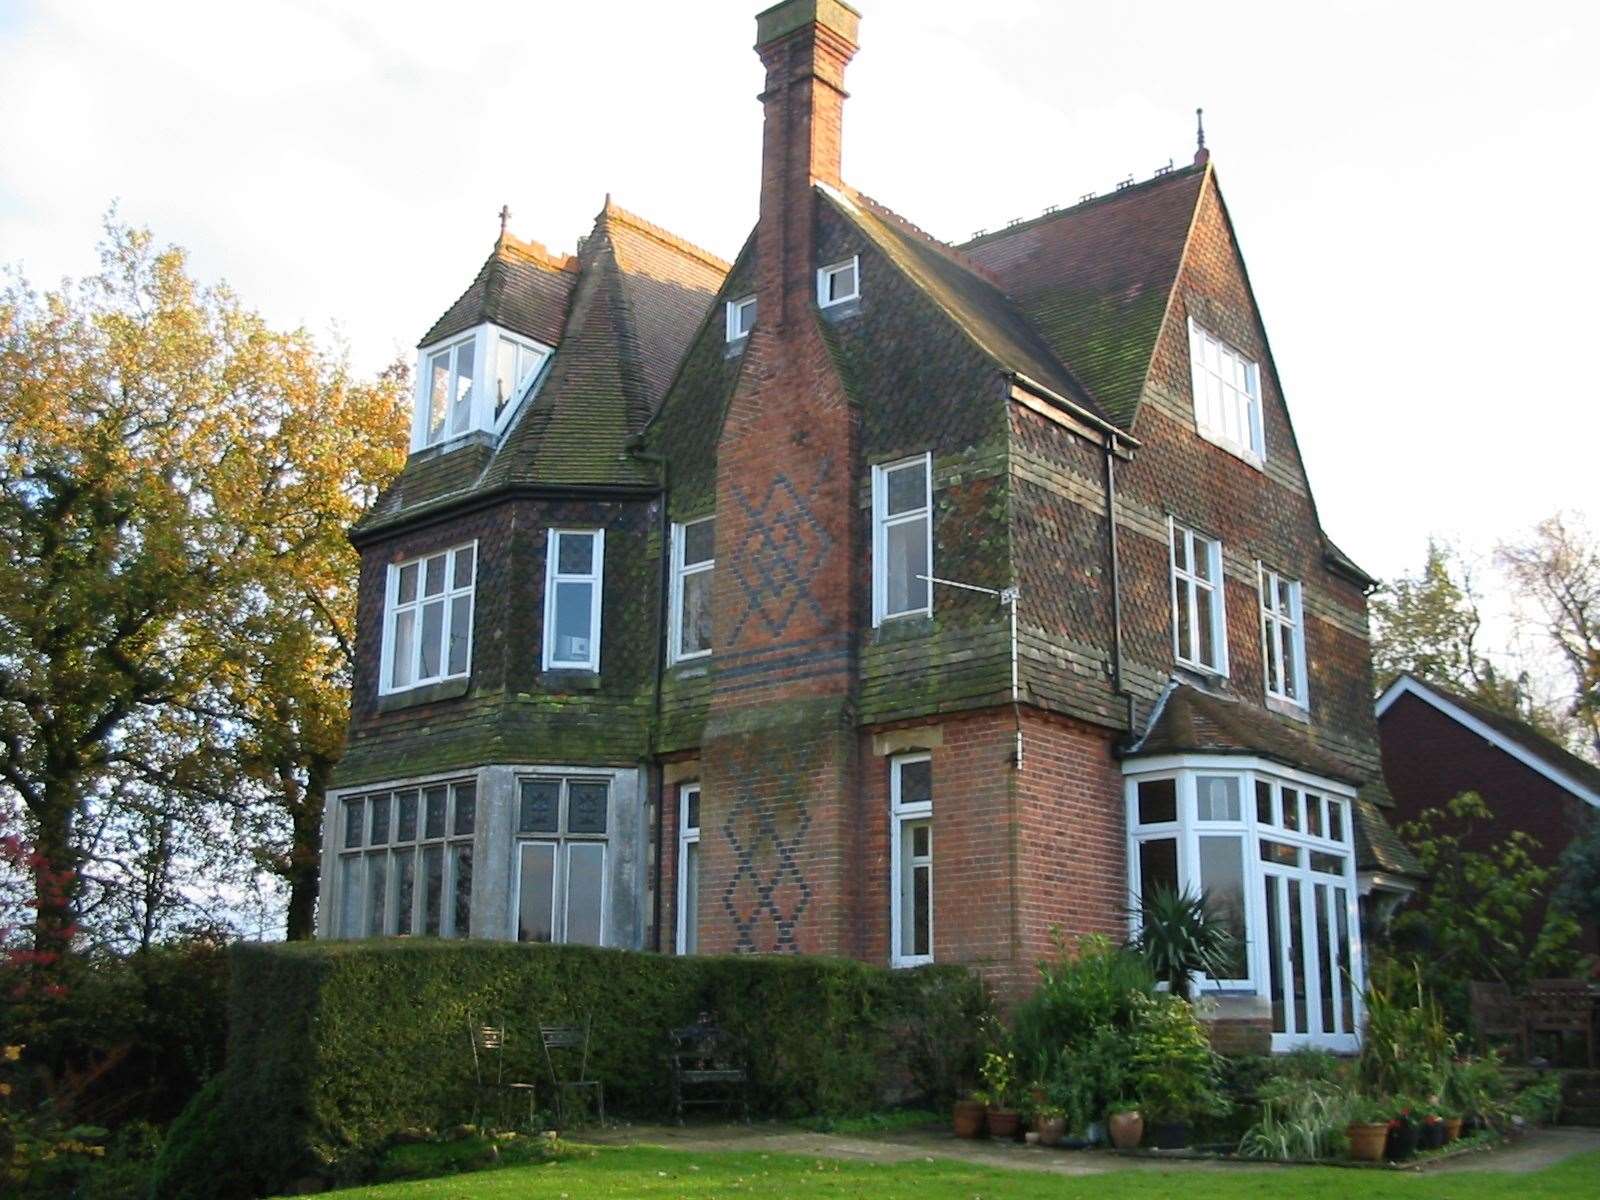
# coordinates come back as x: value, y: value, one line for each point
x: 1272, y: 853
x: 562, y: 831
x: 405, y: 862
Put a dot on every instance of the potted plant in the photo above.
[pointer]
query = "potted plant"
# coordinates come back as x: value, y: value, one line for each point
x: 1174, y: 1068
x: 1126, y: 1124
x: 1368, y: 1130
x: 999, y: 1073
x: 1431, y: 1134
x: 1050, y: 1123
x: 968, y: 1116
x: 1403, y: 1131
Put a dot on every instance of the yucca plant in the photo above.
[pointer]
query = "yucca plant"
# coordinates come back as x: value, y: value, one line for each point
x: 1179, y: 936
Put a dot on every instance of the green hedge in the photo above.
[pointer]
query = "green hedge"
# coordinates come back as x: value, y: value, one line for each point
x: 335, y: 1047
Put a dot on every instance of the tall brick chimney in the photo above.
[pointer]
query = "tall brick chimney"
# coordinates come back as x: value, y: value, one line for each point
x: 779, y: 752
x: 805, y: 46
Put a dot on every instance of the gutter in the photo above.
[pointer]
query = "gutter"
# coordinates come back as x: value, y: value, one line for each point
x: 1113, y: 434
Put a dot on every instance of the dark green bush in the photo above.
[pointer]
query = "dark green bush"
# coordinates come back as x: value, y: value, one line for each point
x: 335, y: 1047
x: 1084, y: 987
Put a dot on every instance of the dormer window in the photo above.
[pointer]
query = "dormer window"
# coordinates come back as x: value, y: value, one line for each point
x: 839, y: 283
x: 473, y: 381
x: 741, y: 317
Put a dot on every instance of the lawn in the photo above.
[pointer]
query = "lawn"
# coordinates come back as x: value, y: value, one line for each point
x: 647, y: 1171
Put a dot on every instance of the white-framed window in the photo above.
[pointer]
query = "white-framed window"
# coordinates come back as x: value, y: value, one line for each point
x: 427, y: 628
x: 574, y: 568
x: 741, y: 317
x: 405, y: 861
x: 1283, y: 638
x: 902, y: 538
x: 688, y: 868
x: 473, y: 381
x: 1199, y: 618
x: 562, y: 831
x: 1272, y: 850
x: 911, y: 859
x: 693, y: 559
x: 1227, y: 395
x: 840, y: 282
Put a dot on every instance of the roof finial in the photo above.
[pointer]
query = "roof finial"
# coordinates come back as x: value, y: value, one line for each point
x: 505, y: 217
x: 1201, y: 154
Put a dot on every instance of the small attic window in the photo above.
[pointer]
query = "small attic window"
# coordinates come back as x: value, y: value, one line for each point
x: 472, y: 382
x: 448, y: 380
x: 839, y: 283
x: 741, y: 317
x: 516, y: 363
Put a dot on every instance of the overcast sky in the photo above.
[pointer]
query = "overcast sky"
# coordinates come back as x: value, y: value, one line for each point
x: 1413, y: 184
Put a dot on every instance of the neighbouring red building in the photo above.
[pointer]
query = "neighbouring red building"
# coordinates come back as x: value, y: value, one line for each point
x: 1438, y: 744
x: 868, y: 595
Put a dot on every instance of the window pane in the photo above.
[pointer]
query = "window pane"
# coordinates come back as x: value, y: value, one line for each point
x: 406, y: 820
x: 1335, y: 819
x: 1158, y: 801
x: 1263, y: 802
x: 1217, y: 797
x: 408, y: 583
x: 916, y: 781
x: 699, y: 542
x: 405, y: 864
x: 1341, y: 921
x: 922, y: 910
x: 432, y: 639
x: 461, y: 854
x: 460, y: 633
x: 403, y: 652
x: 463, y: 567
x: 1222, y: 883
x: 1203, y: 549
x: 575, y: 553
x: 380, y: 820
x: 842, y: 282
x: 540, y: 809
x: 1291, y: 670
x: 377, y: 893
x: 916, y: 901
x: 1180, y: 548
x: 434, y: 805
x: 1313, y: 815
x: 1297, y: 965
x: 691, y: 797
x: 466, y: 809
x: 1206, y: 638
x: 908, y: 488
x: 586, y: 807
x: 1158, y: 866
x: 1328, y: 864
x: 1291, y: 808
x: 907, y: 549
x: 1279, y: 853
x: 354, y: 813
x: 537, y: 884
x: 433, y: 579
x: 432, y: 889
x: 1275, y: 950
x: 438, y: 392
x: 572, y: 622
x: 1319, y: 905
x: 1183, y: 599
x: 691, y: 897
x: 463, y: 409
x: 695, y: 632
x: 350, y: 896
x: 505, y: 373
x: 585, y: 885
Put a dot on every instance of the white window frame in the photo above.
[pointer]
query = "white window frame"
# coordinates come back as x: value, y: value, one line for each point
x: 485, y: 340
x: 1187, y: 831
x: 734, y: 312
x: 1254, y: 450
x: 882, y: 522
x: 392, y: 608
x: 680, y: 573
x: 688, y: 835
x: 900, y: 815
x: 562, y: 842
x: 1216, y: 589
x: 596, y: 602
x: 1284, y: 631
x: 521, y: 387
x: 825, y: 278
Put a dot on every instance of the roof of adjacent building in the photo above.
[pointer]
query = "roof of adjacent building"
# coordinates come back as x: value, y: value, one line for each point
x: 1506, y: 733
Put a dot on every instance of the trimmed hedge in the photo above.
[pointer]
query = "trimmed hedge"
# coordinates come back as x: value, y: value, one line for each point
x: 335, y: 1047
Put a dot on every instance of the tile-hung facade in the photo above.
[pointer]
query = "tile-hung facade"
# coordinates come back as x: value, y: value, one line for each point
x: 867, y: 596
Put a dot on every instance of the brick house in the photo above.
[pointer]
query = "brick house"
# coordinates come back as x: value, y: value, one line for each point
x: 1438, y: 743
x: 869, y: 596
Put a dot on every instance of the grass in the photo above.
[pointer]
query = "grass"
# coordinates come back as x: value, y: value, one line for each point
x: 891, y: 1121
x: 647, y: 1171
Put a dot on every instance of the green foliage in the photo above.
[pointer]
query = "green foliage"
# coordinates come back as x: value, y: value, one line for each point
x: 1179, y: 936
x: 1578, y: 887
x: 1173, y: 1067
x: 890, y: 1121
x: 1407, y: 1049
x: 1085, y: 986
x: 476, y: 1152
x: 335, y: 1047
x: 1472, y: 922
x: 999, y: 1073
x: 1301, y: 1119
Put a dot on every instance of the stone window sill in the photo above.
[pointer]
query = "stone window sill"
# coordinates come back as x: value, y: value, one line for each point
x: 569, y: 681
x: 1288, y: 708
x: 432, y: 693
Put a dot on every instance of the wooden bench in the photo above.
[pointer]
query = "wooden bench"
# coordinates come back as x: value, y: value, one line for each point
x: 703, y: 1058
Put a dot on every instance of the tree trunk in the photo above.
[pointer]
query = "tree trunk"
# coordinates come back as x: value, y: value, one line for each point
x: 305, y: 853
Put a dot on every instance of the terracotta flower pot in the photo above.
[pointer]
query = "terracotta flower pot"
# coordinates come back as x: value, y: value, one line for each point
x: 1050, y: 1130
x: 1367, y: 1140
x: 967, y: 1118
x: 1452, y: 1128
x: 1127, y: 1128
x: 1004, y: 1122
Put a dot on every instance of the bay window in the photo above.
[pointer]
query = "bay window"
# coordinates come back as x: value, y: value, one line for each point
x: 405, y: 861
x: 693, y: 559
x: 911, y: 858
x: 573, y: 575
x: 902, y: 538
x: 1271, y: 851
x: 1199, y: 622
x: 428, y: 619
x: 563, y: 826
x: 1283, y: 638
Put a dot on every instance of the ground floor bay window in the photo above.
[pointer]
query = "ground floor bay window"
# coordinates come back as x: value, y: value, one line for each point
x: 1272, y: 850
x: 405, y: 861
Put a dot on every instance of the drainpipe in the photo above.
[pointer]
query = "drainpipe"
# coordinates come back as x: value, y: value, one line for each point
x: 657, y: 773
x: 1118, y: 686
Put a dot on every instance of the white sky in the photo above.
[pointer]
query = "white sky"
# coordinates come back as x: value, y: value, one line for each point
x: 1413, y: 184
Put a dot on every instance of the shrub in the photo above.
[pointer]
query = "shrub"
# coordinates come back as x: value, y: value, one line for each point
x: 1173, y: 1066
x: 335, y: 1047
x: 1084, y: 987
x: 1406, y: 1049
